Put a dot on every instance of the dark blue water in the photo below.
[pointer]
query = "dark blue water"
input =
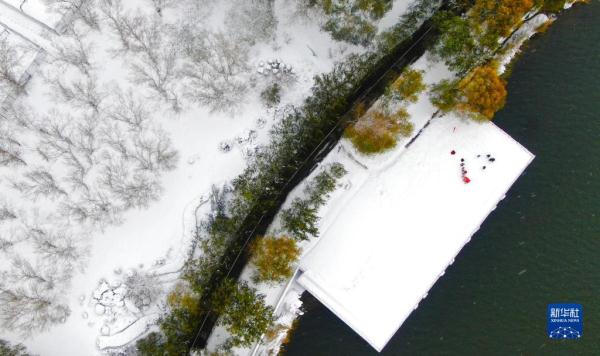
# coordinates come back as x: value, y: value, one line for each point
x: 542, y: 243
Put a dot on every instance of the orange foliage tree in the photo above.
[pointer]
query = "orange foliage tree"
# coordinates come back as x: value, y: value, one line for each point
x: 482, y: 93
x: 273, y: 257
x: 500, y: 16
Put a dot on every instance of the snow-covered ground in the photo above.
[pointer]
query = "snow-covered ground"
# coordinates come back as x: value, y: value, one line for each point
x: 128, y: 252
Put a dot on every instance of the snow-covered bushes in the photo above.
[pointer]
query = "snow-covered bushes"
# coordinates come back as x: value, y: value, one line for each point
x: 271, y: 95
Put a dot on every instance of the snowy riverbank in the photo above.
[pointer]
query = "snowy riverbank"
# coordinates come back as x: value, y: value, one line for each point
x: 365, y: 171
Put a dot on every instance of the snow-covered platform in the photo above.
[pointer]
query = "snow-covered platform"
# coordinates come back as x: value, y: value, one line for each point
x: 405, y: 225
x: 24, y: 25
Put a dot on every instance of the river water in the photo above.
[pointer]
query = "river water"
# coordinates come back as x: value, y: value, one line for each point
x: 541, y: 245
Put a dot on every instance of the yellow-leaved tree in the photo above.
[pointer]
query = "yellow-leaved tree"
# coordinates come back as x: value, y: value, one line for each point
x: 407, y: 87
x: 377, y: 131
x: 500, y: 16
x: 273, y: 258
x: 479, y: 95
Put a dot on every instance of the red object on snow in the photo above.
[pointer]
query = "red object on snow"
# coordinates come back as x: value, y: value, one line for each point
x: 466, y: 180
x: 452, y: 152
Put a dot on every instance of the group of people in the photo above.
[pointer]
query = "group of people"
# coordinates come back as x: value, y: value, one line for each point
x: 463, y: 170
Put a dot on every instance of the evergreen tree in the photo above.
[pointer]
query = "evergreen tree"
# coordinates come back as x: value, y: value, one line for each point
x: 352, y: 20
x: 6, y: 349
x: 242, y: 312
x: 300, y: 219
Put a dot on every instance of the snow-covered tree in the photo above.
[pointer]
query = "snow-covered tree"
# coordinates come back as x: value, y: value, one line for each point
x: 251, y: 21
x: 214, y: 69
x: 83, y: 10
x: 11, y: 150
x: 82, y: 93
x: 10, y: 79
x: 147, y: 39
x: 30, y: 309
x: 129, y: 189
x: 71, y: 49
x: 57, y: 246
x: 39, y: 183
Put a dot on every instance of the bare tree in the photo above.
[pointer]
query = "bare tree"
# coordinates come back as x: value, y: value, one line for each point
x: 154, y: 152
x: 57, y: 246
x: 10, y: 239
x: 80, y: 9
x: 39, y: 182
x: 10, y: 79
x: 214, y: 68
x: 125, y: 28
x: 29, y: 309
x: 82, y: 93
x: 129, y: 111
x: 158, y: 71
x: 10, y: 149
x: 93, y: 206
x: 62, y: 136
x: 147, y: 39
x: 131, y: 189
x: 117, y: 140
x: 7, y: 212
x: 17, y: 113
x: 72, y: 50
x: 46, y: 276
x: 251, y: 21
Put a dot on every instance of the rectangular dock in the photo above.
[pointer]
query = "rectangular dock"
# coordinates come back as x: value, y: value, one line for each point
x: 407, y: 222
